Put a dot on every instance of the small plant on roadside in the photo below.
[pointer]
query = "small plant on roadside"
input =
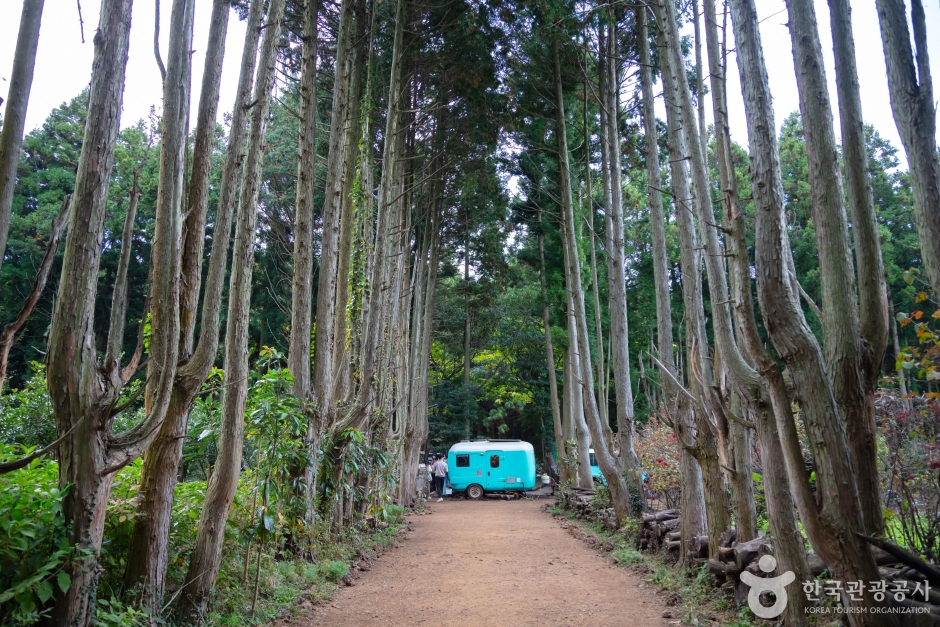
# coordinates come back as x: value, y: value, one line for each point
x: 334, y: 571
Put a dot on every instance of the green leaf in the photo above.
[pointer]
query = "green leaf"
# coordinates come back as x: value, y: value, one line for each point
x: 64, y: 580
x: 44, y: 591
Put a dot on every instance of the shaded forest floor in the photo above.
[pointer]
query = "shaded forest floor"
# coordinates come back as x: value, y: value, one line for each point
x: 491, y: 563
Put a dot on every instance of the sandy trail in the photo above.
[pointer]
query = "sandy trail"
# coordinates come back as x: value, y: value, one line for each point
x: 492, y: 563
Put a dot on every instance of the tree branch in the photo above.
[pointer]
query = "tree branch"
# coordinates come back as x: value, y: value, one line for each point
x: 25, y: 461
x: 806, y: 297
x: 928, y: 570
x: 8, y: 337
x: 156, y: 41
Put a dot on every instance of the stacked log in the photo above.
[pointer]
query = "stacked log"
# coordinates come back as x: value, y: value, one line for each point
x: 660, y: 529
x: 581, y: 501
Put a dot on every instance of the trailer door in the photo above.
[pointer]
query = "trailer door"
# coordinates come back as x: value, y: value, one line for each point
x: 495, y: 470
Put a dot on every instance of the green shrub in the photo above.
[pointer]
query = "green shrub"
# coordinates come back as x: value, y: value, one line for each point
x: 334, y: 571
x: 33, y: 539
x: 396, y: 513
x: 113, y: 613
x: 27, y: 413
x: 627, y: 556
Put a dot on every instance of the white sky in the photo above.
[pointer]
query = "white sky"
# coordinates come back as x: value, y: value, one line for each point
x: 63, y: 65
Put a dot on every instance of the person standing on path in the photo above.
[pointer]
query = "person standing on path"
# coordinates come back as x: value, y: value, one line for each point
x: 440, y: 475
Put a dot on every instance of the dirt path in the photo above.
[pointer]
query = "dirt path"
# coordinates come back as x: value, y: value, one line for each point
x: 492, y: 563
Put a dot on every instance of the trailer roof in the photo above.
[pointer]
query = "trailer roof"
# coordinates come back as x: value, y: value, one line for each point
x: 481, y: 446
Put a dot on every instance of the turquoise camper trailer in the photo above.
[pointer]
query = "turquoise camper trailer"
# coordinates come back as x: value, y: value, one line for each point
x: 491, y: 466
x: 596, y: 473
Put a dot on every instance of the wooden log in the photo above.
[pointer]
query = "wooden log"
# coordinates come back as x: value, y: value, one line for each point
x: 754, y: 569
x: 906, y: 557
x: 673, y: 546
x: 699, y: 546
x: 726, y: 555
x: 747, y: 552
x: 727, y: 537
x: 741, y: 590
x: 674, y: 535
x: 671, y: 525
x: 721, y: 569
x: 668, y: 514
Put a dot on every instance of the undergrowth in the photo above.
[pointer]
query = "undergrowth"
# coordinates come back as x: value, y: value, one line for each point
x: 34, y: 550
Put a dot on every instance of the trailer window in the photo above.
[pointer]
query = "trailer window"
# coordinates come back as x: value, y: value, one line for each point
x: 463, y: 461
x: 494, y: 461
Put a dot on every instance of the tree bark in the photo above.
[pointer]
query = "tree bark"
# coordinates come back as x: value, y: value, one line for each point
x: 81, y: 390
x: 148, y: 549
x: 14, y: 116
x: 347, y: 220
x: 323, y: 364
x: 910, y: 86
x: 872, y: 291
x: 600, y: 433
x: 692, y: 497
x: 375, y: 303
x: 829, y: 522
x: 616, y: 264
x: 207, y: 554
x: 709, y: 411
x: 550, y: 359
x: 840, y: 320
x: 574, y: 396
x: 301, y: 325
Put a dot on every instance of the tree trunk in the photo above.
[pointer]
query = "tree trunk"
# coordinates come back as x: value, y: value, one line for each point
x: 831, y: 521
x: 354, y: 132
x: 14, y: 116
x: 323, y: 365
x: 550, y: 358
x: 902, y: 383
x: 683, y: 126
x: 574, y: 396
x: 657, y: 213
x: 301, y: 324
x: 788, y: 543
x: 840, y: 309
x: 81, y: 390
x: 616, y: 264
x: 600, y: 433
x: 207, y: 554
x: 692, y: 497
x: 375, y: 302
x: 595, y: 286
x: 911, y: 88
x: 872, y: 292
x: 148, y: 549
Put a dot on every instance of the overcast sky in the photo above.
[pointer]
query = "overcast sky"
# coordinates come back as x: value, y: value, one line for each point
x: 63, y: 64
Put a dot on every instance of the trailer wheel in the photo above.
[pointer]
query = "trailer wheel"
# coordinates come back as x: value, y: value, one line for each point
x: 475, y: 492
